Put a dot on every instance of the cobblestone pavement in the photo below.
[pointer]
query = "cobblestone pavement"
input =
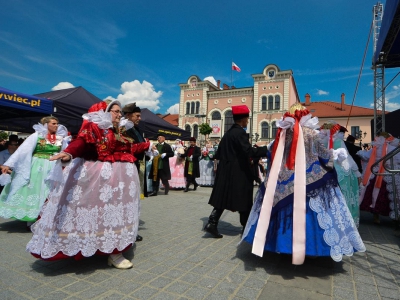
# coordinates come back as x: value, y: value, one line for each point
x: 176, y: 260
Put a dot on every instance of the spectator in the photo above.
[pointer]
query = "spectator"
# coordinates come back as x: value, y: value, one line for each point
x: 353, y: 149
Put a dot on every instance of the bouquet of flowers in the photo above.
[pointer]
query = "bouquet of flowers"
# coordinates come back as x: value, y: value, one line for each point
x: 205, y: 153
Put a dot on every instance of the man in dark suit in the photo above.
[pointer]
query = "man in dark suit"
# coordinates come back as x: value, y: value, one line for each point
x: 233, y: 185
x: 192, y: 170
x: 160, y: 165
x: 133, y: 113
x: 353, y: 149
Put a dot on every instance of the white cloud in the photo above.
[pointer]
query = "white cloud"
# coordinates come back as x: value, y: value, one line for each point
x: 142, y: 93
x: 211, y: 79
x: 62, y: 86
x: 174, y: 109
x: 321, y: 92
x: 392, y: 106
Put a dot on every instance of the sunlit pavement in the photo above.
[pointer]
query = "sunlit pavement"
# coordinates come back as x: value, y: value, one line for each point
x: 177, y: 260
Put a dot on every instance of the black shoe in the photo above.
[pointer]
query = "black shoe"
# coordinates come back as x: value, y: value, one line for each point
x: 195, y: 186
x: 212, y: 229
x: 139, y: 238
x: 153, y: 194
x: 166, y: 190
x: 186, y: 190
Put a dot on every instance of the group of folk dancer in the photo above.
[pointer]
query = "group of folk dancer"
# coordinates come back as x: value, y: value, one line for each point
x: 83, y: 196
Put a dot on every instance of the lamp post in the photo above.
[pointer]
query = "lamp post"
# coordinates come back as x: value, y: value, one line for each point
x: 360, y: 136
x: 255, y: 136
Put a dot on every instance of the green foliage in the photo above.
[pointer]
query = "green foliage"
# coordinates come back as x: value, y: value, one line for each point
x: 205, y: 129
x: 3, y: 135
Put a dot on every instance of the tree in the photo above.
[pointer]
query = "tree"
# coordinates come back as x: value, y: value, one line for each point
x: 3, y: 135
x: 205, y: 129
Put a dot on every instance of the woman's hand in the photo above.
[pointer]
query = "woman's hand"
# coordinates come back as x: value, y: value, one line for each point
x: 5, y: 170
x: 261, y: 144
x: 63, y: 156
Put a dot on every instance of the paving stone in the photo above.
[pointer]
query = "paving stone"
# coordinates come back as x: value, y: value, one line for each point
x: 366, y: 288
x: 389, y: 293
x: 365, y: 296
x: 344, y: 284
x: 343, y: 293
x: 144, y: 293
x: 160, y: 282
x: 165, y: 296
x: 176, y: 260
x: 197, y: 292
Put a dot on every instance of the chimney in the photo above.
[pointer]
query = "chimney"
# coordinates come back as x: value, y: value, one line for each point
x: 225, y: 86
x: 342, y: 104
x: 308, y: 100
x: 219, y: 84
x: 233, y: 87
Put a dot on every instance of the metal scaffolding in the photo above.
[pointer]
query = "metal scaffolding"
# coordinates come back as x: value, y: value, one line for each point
x: 379, y: 74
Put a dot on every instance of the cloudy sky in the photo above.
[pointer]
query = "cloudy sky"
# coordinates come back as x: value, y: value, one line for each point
x: 142, y: 50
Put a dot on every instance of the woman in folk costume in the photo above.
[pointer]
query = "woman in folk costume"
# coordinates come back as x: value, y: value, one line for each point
x: 206, y: 166
x: 25, y: 192
x: 300, y: 209
x: 376, y: 196
x: 95, y: 208
x: 349, y: 177
x: 177, y: 166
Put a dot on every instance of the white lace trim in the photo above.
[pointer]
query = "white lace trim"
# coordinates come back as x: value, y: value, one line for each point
x: 100, y: 118
x: 340, y: 231
x: 89, y: 211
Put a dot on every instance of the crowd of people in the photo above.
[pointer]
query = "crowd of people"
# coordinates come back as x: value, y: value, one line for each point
x: 81, y: 196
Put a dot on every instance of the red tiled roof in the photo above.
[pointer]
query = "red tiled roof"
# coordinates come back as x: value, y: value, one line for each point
x: 326, y: 109
x: 171, y: 118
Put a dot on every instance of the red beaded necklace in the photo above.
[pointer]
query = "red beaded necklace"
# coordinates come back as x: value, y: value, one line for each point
x: 51, y: 138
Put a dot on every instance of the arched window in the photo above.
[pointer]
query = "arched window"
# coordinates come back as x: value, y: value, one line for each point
x: 187, y: 127
x: 264, y: 103
x: 228, y: 120
x: 193, y: 83
x: 277, y: 102
x: 197, y: 107
x: 274, y: 129
x: 195, y: 131
x: 187, y: 108
x: 264, y: 130
x: 270, y: 102
x: 216, y: 115
x: 192, y: 108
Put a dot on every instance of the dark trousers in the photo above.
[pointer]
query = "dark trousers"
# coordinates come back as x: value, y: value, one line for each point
x: 190, y: 179
x: 244, y: 215
x: 161, y: 174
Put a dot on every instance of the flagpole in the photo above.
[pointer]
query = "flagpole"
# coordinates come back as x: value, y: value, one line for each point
x: 232, y: 72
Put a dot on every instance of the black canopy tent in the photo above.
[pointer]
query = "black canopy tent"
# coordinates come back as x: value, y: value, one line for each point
x: 68, y: 106
x: 151, y: 125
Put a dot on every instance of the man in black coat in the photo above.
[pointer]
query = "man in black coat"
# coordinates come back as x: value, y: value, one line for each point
x: 192, y: 169
x: 133, y: 113
x: 233, y: 185
x: 160, y: 165
x: 353, y: 149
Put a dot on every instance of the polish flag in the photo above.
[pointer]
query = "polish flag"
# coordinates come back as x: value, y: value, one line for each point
x: 235, y: 67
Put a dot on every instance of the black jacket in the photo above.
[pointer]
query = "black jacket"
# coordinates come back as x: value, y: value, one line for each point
x: 233, y: 185
x: 166, y: 148
x: 195, y: 159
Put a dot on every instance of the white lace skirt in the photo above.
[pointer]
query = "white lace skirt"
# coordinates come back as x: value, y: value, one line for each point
x: 206, y: 173
x: 96, y: 208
